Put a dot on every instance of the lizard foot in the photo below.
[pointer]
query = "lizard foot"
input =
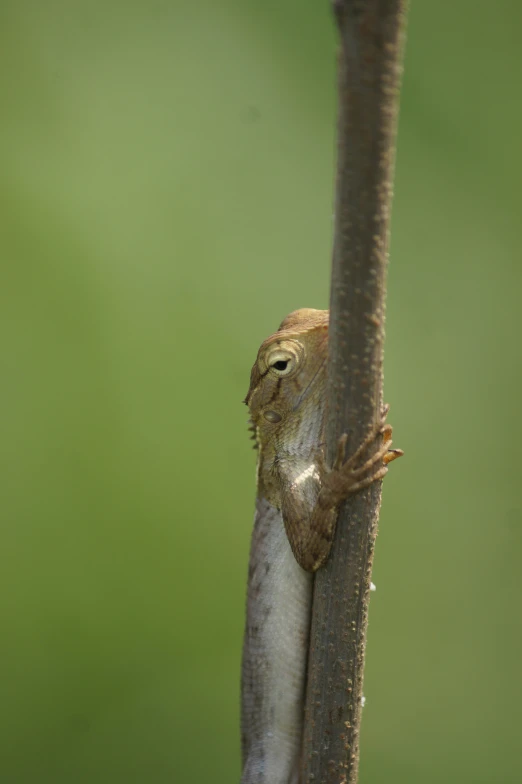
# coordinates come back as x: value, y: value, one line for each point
x: 348, y: 476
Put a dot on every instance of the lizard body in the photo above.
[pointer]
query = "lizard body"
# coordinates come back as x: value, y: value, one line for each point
x: 296, y: 511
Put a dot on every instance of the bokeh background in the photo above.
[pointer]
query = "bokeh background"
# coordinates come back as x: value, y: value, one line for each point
x: 166, y: 187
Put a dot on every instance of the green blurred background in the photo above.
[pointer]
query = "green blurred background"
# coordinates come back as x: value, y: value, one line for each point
x: 166, y: 188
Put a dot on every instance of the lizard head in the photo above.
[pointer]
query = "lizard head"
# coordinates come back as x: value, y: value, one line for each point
x: 289, y: 365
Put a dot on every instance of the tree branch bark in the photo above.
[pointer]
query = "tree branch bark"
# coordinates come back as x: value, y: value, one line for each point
x: 370, y: 64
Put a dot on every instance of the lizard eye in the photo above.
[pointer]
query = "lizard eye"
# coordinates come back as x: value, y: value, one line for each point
x: 282, y: 362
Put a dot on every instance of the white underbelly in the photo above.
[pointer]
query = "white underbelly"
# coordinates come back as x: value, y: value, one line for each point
x: 274, y: 654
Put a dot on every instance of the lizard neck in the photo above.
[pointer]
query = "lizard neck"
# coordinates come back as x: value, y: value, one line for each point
x: 292, y: 452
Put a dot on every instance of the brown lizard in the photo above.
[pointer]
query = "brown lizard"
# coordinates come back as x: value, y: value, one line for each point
x: 298, y: 499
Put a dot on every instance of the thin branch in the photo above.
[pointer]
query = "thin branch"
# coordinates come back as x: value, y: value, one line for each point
x: 370, y: 62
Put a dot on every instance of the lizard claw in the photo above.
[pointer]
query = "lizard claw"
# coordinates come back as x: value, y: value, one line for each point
x: 348, y: 476
x: 392, y: 454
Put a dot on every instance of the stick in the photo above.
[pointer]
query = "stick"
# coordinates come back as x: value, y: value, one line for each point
x: 370, y: 62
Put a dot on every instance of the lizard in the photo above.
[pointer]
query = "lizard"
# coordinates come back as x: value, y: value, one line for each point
x: 298, y: 499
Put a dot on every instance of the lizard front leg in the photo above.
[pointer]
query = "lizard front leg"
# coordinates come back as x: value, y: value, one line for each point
x: 310, y: 527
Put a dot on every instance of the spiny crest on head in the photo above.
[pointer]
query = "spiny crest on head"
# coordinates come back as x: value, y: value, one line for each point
x: 253, y: 430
